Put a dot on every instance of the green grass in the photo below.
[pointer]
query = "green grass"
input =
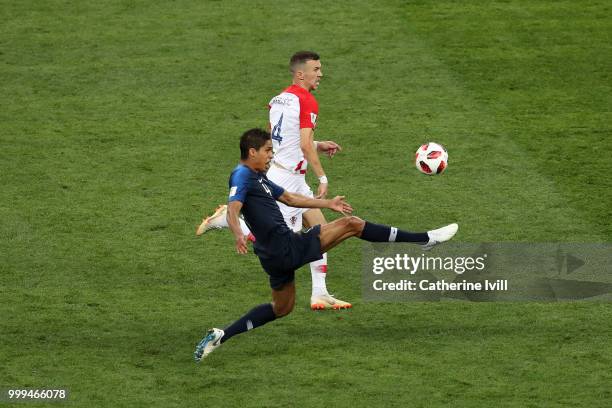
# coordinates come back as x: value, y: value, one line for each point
x: 118, y: 129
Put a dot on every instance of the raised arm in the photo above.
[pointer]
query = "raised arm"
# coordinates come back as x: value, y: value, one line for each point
x: 233, y: 212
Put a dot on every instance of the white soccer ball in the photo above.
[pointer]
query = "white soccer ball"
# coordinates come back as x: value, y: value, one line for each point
x: 431, y: 158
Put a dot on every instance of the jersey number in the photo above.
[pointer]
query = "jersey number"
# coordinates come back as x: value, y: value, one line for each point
x: 277, y: 130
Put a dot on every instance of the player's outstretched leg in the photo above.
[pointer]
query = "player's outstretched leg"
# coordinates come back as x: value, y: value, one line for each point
x: 335, y: 232
x: 282, y: 304
x: 320, y: 299
x: 258, y: 316
x: 218, y: 220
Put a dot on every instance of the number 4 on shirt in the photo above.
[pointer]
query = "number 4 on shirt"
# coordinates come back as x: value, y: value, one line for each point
x: 277, y: 130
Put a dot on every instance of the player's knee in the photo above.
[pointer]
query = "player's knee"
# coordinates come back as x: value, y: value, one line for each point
x: 355, y: 223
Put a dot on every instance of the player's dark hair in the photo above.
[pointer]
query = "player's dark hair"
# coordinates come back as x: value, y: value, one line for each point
x: 301, y: 57
x: 252, y: 138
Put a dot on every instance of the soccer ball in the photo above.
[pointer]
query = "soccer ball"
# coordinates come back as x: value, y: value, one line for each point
x: 431, y: 158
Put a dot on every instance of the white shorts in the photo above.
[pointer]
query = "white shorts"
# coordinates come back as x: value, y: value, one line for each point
x: 293, y: 183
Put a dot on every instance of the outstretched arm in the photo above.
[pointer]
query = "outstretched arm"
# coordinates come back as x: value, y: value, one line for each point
x: 297, y: 200
x: 233, y: 212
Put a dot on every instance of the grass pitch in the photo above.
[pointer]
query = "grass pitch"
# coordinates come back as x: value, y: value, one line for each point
x: 118, y: 130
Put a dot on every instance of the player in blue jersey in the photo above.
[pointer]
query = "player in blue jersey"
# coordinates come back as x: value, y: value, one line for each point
x: 280, y: 250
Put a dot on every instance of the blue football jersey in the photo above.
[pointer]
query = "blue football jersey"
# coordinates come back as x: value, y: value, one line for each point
x: 258, y: 196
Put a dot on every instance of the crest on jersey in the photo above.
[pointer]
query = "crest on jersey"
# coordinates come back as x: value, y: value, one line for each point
x: 313, y: 118
x: 293, y: 220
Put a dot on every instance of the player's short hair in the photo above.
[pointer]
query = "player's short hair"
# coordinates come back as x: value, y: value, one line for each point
x: 301, y: 57
x: 252, y: 138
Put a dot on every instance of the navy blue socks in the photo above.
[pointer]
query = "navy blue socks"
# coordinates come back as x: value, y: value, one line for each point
x: 383, y: 233
x: 258, y: 316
